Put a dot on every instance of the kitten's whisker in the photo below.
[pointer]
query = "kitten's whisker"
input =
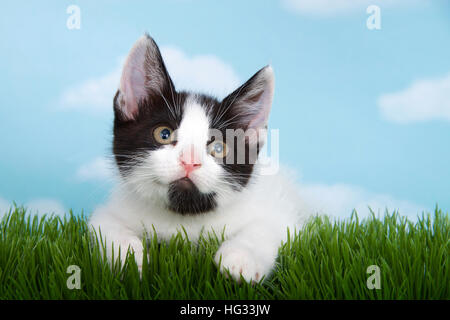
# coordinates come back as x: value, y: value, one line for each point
x: 228, y: 106
x: 172, y: 112
x: 173, y: 97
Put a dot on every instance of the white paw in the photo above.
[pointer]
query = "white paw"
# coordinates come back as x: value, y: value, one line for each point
x: 236, y: 261
x: 133, y: 245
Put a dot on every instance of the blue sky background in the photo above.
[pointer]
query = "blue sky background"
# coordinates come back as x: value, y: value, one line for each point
x: 331, y: 74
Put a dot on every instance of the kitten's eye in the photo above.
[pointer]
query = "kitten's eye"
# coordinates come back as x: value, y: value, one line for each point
x: 163, y: 135
x: 218, y: 149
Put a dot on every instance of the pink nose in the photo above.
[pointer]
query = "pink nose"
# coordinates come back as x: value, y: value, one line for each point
x: 189, y: 161
x: 189, y: 167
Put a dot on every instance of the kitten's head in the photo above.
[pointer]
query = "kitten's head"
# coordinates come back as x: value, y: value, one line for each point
x: 189, y: 151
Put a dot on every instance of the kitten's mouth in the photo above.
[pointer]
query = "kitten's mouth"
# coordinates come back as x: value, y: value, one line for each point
x: 185, y: 198
x: 184, y: 184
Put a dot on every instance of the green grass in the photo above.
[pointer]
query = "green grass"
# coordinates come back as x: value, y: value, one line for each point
x: 326, y: 260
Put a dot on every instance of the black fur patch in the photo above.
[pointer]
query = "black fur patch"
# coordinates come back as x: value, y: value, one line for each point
x: 132, y: 138
x: 185, y: 198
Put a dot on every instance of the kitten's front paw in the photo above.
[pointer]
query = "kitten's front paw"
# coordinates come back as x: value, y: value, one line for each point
x: 236, y: 261
x: 133, y: 245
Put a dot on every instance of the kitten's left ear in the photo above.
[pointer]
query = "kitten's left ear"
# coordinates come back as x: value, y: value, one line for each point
x: 250, y: 103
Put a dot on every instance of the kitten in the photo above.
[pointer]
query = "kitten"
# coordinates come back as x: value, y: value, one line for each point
x: 180, y: 170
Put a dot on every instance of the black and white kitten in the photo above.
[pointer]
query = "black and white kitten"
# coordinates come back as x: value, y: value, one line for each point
x: 180, y: 168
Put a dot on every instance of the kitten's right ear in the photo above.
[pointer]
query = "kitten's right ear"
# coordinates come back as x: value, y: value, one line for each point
x: 144, y: 74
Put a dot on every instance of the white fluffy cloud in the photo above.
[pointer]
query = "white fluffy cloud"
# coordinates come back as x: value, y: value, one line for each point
x: 99, y: 169
x: 335, y: 7
x: 424, y: 100
x: 46, y: 206
x: 205, y: 73
x: 93, y: 95
x: 38, y: 207
x: 4, y: 206
x: 339, y: 200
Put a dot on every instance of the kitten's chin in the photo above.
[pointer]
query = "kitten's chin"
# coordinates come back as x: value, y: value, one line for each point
x: 189, y: 183
x: 185, y: 198
x: 184, y: 184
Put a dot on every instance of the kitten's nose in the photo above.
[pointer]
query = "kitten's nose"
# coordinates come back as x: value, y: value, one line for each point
x: 189, y: 167
x: 189, y: 161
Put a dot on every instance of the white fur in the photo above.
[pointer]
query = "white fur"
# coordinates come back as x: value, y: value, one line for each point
x: 255, y: 224
x: 254, y: 220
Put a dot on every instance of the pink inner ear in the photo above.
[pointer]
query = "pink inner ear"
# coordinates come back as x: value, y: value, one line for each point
x: 263, y: 104
x: 133, y: 80
x: 261, y: 117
